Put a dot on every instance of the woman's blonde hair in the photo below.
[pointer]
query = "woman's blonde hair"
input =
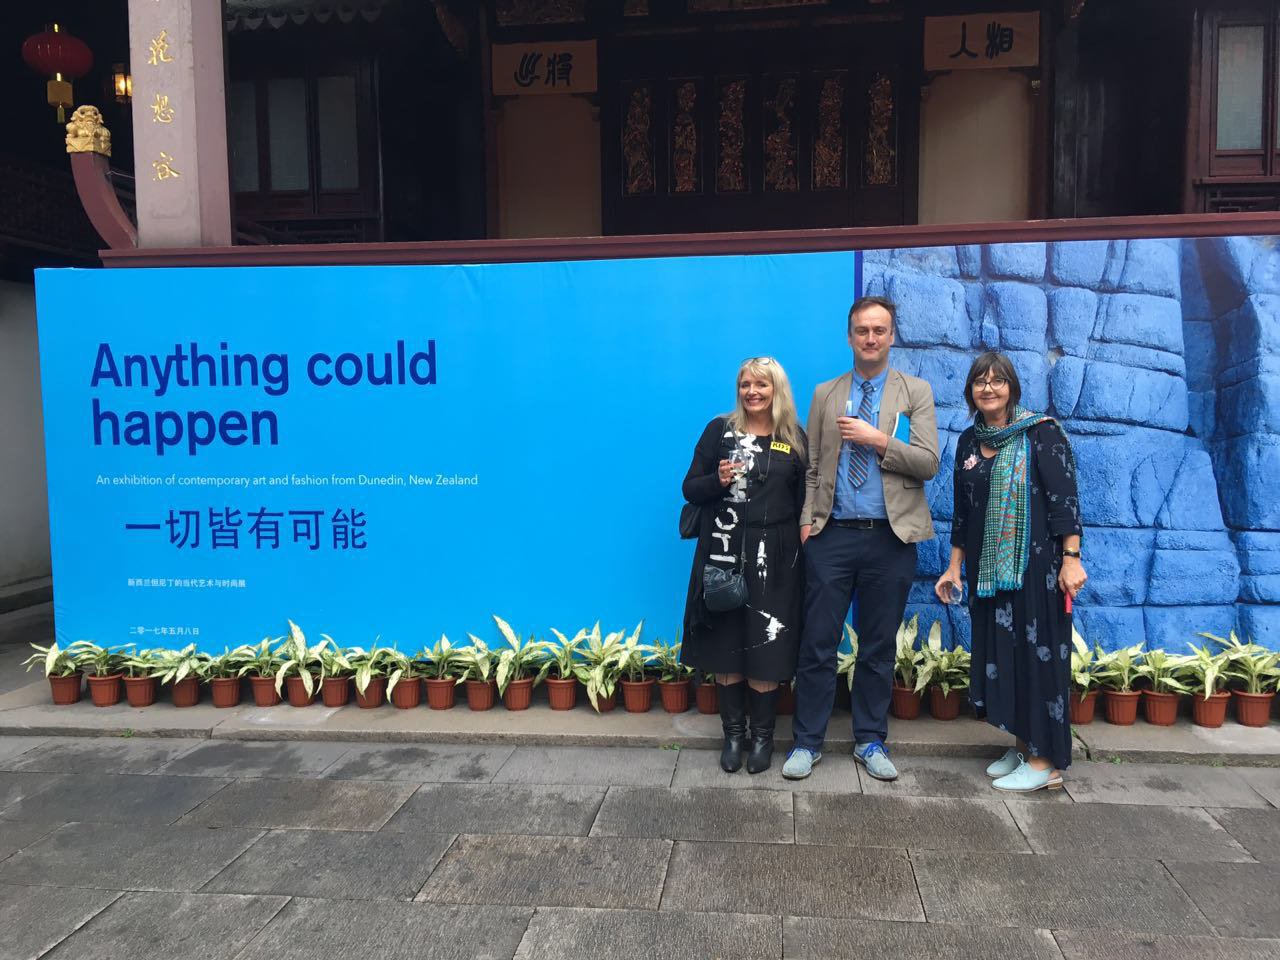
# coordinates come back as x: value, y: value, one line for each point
x: 786, y: 423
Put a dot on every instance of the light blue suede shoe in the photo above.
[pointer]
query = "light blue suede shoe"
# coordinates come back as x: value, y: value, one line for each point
x: 1005, y: 765
x: 1027, y: 779
x: 875, y: 758
x: 800, y: 763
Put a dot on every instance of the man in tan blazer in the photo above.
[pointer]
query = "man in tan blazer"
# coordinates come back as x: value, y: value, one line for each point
x: 873, y: 442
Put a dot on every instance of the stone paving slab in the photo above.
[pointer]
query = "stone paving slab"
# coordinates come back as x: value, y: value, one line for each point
x: 15, y: 787
x: 428, y: 763
x: 836, y: 773
x: 388, y: 930
x: 302, y: 805
x: 1265, y: 782
x: 1240, y: 899
x: 1258, y: 831
x: 16, y: 834
x: 590, y: 766
x: 113, y: 798
x: 11, y: 747
x: 1161, y: 784
x: 551, y: 872
x: 1183, y: 742
x: 1094, y: 945
x: 171, y: 925
x: 34, y: 919
x: 963, y: 779
x: 30, y: 712
x: 336, y: 865
x: 914, y: 823
x: 499, y: 808
x: 575, y: 934
x: 1123, y: 831
x: 132, y: 857
x: 699, y: 813
x: 1013, y: 890
x: 809, y: 938
x: 791, y: 880
x: 240, y: 759
x: 100, y: 755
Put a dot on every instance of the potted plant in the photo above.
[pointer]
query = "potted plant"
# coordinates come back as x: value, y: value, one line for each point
x: 260, y: 663
x: 335, y: 674
x: 1255, y: 670
x: 61, y: 669
x: 182, y: 669
x: 300, y: 667
x: 673, y: 676
x: 1205, y: 674
x: 222, y: 673
x: 1117, y: 672
x: 598, y: 670
x: 1160, y: 699
x: 846, y: 664
x: 440, y: 680
x: 520, y: 667
x: 140, y: 680
x: 477, y: 663
x: 944, y: 673
x: 905, y: 699
x: 102, y: 668
x: 562, y: 689
x: 633, y: 664
x: 403, y: 689
x: 369, y: 673
x: 705, y: 694
x: 1084, y: 678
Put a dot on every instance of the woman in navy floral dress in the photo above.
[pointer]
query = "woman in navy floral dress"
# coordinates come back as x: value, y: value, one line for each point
x: 1016, y: 529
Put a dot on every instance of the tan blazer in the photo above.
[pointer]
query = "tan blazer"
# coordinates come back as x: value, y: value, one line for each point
x: 904, y: 468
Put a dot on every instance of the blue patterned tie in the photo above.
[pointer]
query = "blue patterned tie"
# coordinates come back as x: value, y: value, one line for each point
x: 860, y: 456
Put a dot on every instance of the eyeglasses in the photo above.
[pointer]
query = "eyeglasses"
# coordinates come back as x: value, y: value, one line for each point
x: 758, y: 361
x: 995, y: 383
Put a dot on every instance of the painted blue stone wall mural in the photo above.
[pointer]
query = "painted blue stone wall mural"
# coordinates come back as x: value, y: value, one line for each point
x: 1162, y: 360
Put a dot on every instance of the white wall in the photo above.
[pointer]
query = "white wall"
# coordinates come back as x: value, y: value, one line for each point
x: 24, y: 506
x: 976, y: 134
x: 548, y: 167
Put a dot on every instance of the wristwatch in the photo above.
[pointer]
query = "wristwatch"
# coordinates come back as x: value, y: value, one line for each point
x: 1071, y: 553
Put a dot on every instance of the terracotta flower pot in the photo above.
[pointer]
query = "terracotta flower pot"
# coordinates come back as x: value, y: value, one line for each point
x: 264, y: 691
x: 1160, y: 709
x: 65, y: 690
x: 441, y: 694
x: 406, y: 694
x: 1121, y: 706
x: 104, y: 691
x: 225, y: 691
x: 481, y: 694
x: 944, y: 707
x: 604, y: 704
x: 1211, y: 712
x: 335, y: 691
x: 373, y: 694
x: 186, y: 692
x: 904, y: 703
x: 1083, y: 707
x: 140, y: 691
x: 637, y: 695
x: 562, y: 694
x: 297, y: 693
x: 1252, y: 709
x: 705, y: 694
x: 786, y: 699
x: 519, y: 694
x: 674, y: 695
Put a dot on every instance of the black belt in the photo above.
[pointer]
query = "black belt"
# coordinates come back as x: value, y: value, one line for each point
x: 861, y: 523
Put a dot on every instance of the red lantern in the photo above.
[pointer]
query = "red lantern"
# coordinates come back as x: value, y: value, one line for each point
x: 61, y: 57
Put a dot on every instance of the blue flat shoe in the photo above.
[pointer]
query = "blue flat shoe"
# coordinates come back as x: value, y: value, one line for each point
x: 875, y: 758
x: 1027, y: 779
x: 1005, y: 765
x: 800, y: 763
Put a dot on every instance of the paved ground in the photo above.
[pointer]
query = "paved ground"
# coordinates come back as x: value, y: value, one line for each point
x: 174, y: 848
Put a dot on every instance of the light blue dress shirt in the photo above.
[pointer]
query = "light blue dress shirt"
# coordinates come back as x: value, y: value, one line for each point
x: 867, y: 500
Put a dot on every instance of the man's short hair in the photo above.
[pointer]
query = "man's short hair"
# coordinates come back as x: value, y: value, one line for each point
x: 862, y: 303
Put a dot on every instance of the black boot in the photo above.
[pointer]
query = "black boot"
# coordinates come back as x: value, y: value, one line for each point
x: 732, y: 698
x: 764, y: 716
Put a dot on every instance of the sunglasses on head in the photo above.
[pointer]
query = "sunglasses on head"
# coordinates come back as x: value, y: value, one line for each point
x: 758, y: 361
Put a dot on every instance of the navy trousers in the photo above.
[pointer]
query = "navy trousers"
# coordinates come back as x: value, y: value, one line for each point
x: 842, y: 563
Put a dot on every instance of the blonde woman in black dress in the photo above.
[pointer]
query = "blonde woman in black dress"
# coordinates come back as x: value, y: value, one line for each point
x: 748, y: 476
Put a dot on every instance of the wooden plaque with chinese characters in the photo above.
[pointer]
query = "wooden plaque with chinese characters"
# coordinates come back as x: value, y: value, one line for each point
x: 521, y: 69
x: 982, y: 41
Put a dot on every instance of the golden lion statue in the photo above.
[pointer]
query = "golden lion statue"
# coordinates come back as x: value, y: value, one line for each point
x: 86, y: 134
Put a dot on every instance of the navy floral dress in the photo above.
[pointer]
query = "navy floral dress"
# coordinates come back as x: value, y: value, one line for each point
x: 1021, y: 674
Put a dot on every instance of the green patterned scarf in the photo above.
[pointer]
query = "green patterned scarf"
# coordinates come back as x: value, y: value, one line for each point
x: 1006, y: 537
